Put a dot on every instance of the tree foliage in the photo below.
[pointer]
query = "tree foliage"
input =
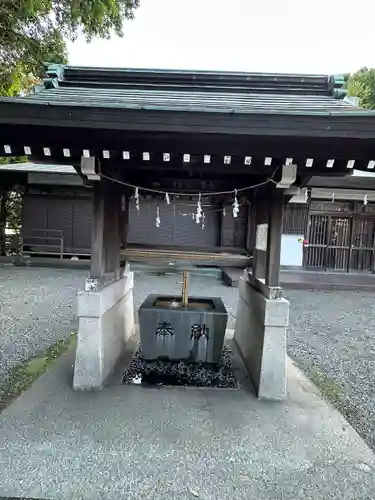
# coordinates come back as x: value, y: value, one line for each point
x: 34, y: 31
x: 10, y: 210
x: 362, y: 85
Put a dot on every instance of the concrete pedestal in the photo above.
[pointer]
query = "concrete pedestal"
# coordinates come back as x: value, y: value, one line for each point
x: 260, y: 334
x: 105, y: 323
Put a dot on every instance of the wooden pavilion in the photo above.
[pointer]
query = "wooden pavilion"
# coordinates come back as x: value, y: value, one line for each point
x: 232, y: 137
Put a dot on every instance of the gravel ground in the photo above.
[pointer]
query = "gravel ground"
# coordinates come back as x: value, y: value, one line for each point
x: 37, y: 309
x: 38, y: 306
x: 331, y: 335
x: 332, y: 338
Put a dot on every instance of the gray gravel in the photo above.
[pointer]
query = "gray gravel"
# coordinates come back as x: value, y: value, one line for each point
x: 332, y: 338
x: 37, y: 309
x: 331, y: 335
x: 38, y: 306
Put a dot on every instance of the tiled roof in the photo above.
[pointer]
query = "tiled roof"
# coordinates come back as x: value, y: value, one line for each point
x: 225, y: 102
x: 190, y: 80
x: 224, y: 92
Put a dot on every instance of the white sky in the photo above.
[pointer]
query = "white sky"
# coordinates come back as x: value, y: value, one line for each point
x: 304, y: 36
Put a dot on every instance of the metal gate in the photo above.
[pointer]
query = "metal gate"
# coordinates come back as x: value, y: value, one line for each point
x: 362, y: 245
x: 340, y: 243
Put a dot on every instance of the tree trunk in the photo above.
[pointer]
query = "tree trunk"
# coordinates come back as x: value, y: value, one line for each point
x: 3, y: 220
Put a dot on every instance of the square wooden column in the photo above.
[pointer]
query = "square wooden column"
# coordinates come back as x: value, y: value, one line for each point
x: 262, y: 314
x: 259, y: 217
x: 274, y: 234
x: 124, y: 219
x: 265, y: 235
x: 105, y: 310
x: 106, y: 231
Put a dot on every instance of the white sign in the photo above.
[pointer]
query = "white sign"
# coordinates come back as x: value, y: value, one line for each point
x: 261, y: 238
x: 91, y: 284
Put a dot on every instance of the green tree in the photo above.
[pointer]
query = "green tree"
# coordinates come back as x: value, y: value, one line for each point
x: 34, y: 31
x: 10, y: 210
x: 362, y: 85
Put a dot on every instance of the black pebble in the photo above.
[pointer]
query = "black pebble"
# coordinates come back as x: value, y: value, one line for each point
x: 175, y: 373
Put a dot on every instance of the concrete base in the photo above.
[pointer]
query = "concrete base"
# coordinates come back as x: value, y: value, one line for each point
x: 105, y: 323
x: 260, y: 334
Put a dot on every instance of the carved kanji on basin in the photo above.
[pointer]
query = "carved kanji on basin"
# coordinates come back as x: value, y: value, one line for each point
x: 164, y: 329
x: 199, y: 331
x: 193, y: 332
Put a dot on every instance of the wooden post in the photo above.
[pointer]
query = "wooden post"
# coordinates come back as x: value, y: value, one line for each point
x: 125, y: 211
x: 226, y: 226
x: 267, y: 211
x: 260, y: 215
x: 275, y: 223
x: 249, y: 229
x: 106, y: 237
x: 112, y: 230
x: 97, y: 236
x: 185, y: 288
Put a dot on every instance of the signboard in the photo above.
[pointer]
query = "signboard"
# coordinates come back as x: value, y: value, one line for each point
x: 261, y: 237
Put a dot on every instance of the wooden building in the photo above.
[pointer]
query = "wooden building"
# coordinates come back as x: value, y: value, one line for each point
x: 209, y: 139
x: 56, y: 202
x: 56, y: 199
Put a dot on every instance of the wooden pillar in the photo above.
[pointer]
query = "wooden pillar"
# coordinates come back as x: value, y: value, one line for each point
x: 97, y: 232
x: 260, y: 217
x: 112, y: 235
x: 266, y: 214
x: 106, y: 236
x: 249, y: 229
x: 274, y: 234
x: 227, y: 226
x: 124, y: 219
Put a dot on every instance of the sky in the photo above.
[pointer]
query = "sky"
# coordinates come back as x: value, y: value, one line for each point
x: 315, y: 36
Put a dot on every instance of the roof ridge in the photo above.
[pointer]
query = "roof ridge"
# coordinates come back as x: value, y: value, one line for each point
x: 207, y: 81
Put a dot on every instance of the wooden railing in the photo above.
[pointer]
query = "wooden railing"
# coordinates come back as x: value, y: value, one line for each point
x: 42, y: 241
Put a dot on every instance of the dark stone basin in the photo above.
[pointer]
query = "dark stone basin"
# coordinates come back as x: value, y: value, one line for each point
x: 171, y: 331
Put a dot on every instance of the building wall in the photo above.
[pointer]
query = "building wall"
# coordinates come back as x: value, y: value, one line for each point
x: 46, y: 218
x: 234, y: 230
x: 178, y: 226
x: 53, y: 210
x: 340, y: 235
x: 295, y: 224
x: 51, y: 207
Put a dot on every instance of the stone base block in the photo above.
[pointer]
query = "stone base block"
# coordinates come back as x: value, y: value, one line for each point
x: 193, y: 333
x: 260, y: 334
x: 105, y: 323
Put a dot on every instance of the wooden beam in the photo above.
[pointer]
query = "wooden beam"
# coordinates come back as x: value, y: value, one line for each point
x: 356, y: 125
